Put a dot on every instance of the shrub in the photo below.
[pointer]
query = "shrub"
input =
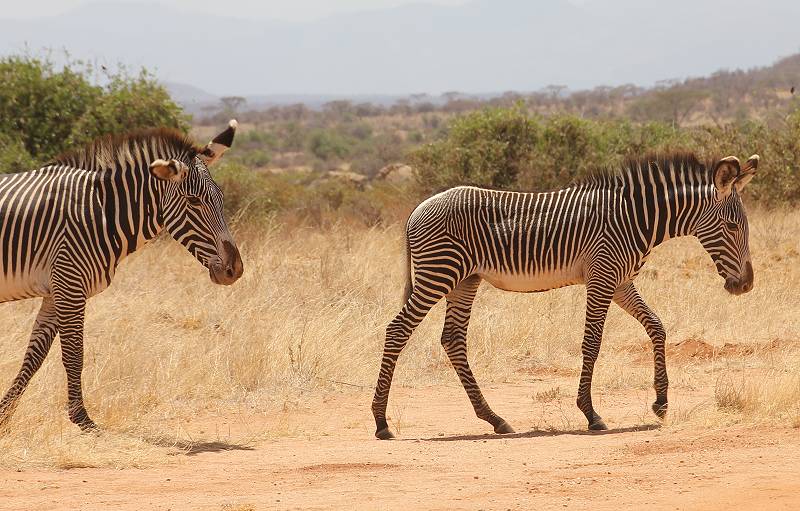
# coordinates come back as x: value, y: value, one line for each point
x: 45, y: 110
x: 507, y: 148
x: 328, y: 145
x: 128, y: 103
x: 490, y: 147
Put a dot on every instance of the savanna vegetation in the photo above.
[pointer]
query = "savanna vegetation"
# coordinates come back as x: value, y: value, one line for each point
x: 305, y: 161
x: 317, y: 209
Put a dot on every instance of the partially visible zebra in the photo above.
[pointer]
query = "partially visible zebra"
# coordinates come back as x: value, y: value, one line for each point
x: 65, y: 227
x: 598, y: 233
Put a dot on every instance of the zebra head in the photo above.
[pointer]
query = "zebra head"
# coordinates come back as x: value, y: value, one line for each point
x: 723, y: 230
x: 192, y: 208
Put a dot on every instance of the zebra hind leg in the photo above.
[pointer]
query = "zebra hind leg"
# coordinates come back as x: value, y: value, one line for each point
x: 71, y: 330
x: 454, y: 342
x: 397, y: 334
x: 628, y: 298
x: 44, y: 331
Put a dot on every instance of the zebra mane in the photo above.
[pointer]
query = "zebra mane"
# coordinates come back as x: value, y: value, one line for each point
x: 107, y: 151
x: 684, y: 162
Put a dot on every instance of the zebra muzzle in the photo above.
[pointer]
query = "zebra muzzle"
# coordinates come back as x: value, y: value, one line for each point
x: 743, y: 284
x: 228, y: 268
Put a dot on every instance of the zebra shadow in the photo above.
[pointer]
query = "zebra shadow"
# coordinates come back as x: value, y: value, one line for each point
x: 190, y: 448
x: 535, y: 433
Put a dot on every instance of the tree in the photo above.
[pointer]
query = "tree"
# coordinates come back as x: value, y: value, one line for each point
x: 671, y: 104
x: 230, y: 105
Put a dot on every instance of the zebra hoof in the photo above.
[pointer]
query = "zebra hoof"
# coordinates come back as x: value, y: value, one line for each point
x: 660, y: 409
x: 503, y: 429
x: 88, y: 426
x: 598, y: 425
x: 384, y: 434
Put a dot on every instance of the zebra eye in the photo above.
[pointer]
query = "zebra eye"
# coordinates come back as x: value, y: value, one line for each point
x: 733, y: 226
x: 194, y: 201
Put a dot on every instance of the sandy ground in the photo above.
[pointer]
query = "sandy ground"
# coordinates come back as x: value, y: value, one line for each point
x: 326, y: 458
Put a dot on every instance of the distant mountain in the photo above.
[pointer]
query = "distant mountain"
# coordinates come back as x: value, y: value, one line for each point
x: 484, y: 45
x: 189, y: 95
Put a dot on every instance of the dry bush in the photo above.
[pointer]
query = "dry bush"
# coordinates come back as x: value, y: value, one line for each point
x: 164, y: 345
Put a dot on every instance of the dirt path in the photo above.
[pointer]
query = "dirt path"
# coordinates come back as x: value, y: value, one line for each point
x: 329, y: 460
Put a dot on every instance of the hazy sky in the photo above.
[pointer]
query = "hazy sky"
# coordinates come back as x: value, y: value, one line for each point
x: 296, y: 10
x: 259, y: 47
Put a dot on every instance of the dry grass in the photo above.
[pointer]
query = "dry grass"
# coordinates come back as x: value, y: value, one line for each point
x: 164, y: 345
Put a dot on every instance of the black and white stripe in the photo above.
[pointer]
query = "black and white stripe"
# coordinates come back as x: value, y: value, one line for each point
x: 65, y: 227
x: 598, y: 233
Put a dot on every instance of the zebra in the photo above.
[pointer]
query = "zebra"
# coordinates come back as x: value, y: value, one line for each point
x: 598, y: 232
x: 65, y: 227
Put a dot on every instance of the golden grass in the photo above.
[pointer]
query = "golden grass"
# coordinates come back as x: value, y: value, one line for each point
x: 165, y: 345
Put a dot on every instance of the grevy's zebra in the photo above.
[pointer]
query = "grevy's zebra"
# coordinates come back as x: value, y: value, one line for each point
x: 64, y: 228
x: 598, y: 233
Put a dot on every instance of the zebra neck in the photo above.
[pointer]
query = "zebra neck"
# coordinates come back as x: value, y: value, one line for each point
x: 131, y: 201
x: 674, y: 212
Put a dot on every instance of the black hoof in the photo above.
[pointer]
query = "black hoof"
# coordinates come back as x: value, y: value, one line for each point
x: 660, y: 409
x: 88, y: 426
x: 384, y: 434
x: 82, y: 420
x: 503, y: 429
x: 598, y: 425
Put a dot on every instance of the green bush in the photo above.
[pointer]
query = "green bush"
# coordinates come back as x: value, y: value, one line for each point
x: 490, y: 147
x: 39, y: 106
x: 44, y: 109
x: 128, y: 103
x: 507, y: 148
x: 328, y: 145
x: 13, y: 155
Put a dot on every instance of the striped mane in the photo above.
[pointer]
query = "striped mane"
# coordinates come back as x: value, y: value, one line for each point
x: 106, y: 152
x: 685, y: 163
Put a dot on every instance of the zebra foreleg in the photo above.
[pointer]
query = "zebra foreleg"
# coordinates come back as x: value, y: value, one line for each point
x: 44, y: 331
x: 629, y: 299
x: 70, y: 319
x: 597, y: 303
x: 397, y: 334
x: 454, y: 342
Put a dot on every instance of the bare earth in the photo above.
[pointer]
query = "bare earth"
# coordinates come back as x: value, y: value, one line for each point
x: 327, y: 459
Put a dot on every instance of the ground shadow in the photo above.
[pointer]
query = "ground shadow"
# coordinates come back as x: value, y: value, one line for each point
x: 534, y: 433
x: 190, y: 448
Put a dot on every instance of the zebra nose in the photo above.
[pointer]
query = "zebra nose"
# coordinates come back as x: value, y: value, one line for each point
x: 232, y: 260
x: 747, y: 283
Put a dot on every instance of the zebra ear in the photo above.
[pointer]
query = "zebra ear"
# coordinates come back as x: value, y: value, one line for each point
x: 748, y: 171
x: 219, y: 144
x: 172, y: 170
x: 725, y: 173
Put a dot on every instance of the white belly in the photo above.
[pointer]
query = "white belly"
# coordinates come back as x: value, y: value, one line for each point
x: 530, y: 283
x: 23, y: 286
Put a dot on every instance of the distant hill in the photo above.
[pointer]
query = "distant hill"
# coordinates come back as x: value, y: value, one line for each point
x: 483, y: 45
x: 189, y: 94
x: 760, y: 92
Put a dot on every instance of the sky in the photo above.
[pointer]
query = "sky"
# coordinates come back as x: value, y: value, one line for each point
x: 398, y: 47
x: 290, y: 10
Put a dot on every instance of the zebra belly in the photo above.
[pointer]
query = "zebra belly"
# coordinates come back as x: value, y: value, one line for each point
x: 532, y: 283
x: 19, y: 287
